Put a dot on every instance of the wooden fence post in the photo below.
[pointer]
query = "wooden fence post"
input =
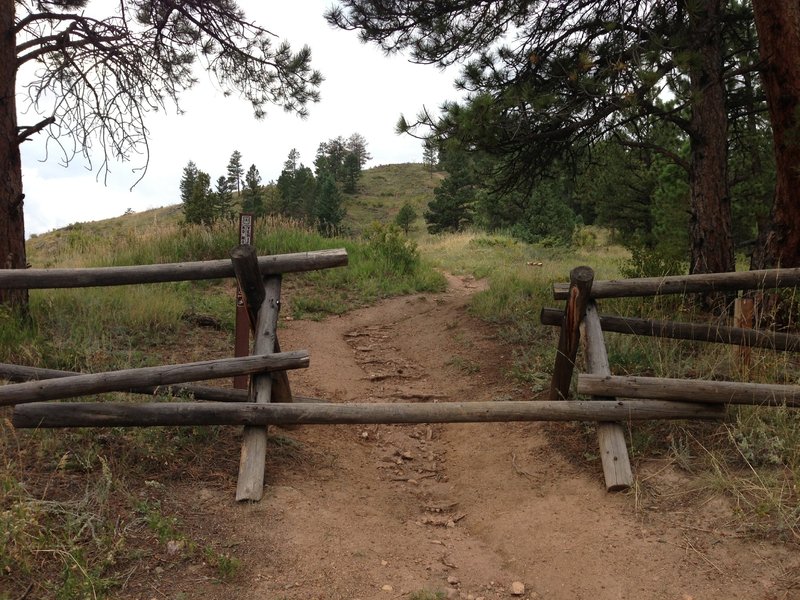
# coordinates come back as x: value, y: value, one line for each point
x: 245, y: 266
x: 250, y: 485
x: 580, y: 286
x: 611, y: 436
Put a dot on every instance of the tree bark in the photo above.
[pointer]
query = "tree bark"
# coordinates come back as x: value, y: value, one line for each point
x: 778, y: 27
x: 12, y: 221
x: 712, y: 249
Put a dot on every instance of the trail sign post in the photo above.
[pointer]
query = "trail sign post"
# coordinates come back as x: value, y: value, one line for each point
x: 242, y: 339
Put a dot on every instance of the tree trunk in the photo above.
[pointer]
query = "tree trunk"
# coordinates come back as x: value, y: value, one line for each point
x: 710, y: 207
x: 778, y: 26
x: 12, y: 222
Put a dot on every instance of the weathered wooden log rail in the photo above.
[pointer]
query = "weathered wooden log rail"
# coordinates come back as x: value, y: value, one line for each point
x: 18, y: 373
x: 690, y: 390
x: 687, y: 284
x: 107, y: 414
x: 161, y: 273
x: 112, y: 381
x: 698, y: 332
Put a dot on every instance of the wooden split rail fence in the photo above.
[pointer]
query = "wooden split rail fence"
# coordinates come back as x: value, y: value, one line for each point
x: 259, y: 279
x: 270, y: 401
x: 581, y: 314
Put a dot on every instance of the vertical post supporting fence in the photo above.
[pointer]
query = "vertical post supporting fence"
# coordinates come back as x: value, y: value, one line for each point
x: 580, y: 286
x: 610, y: 436
x: 250, y: 485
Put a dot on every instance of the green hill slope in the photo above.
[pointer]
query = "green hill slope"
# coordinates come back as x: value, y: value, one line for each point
x: 382, y: 191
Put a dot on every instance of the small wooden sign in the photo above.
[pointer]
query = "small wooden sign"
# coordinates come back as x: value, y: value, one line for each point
x: 242, y: 338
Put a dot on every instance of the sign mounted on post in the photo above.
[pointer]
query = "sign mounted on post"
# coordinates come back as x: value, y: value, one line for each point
x: 242, y: 338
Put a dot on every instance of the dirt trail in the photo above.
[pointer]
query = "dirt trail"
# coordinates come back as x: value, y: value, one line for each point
x: 355, y: 512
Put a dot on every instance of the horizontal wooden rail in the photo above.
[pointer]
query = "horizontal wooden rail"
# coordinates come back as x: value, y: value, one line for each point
x: 685, y: 284
x: 95, y: 414
x: 210, y: 269
x: 19, y: 373
x: 690, y: 390
x: 112, y: 381
x: 686, y: 331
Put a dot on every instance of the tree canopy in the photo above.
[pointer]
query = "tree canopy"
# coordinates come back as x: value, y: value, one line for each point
x: 89, y: 78
x: 548, y: 80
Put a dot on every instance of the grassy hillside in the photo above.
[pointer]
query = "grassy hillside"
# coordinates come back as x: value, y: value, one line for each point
x: 383, y: 190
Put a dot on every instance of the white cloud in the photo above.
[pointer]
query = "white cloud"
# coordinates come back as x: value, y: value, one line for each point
x: 364, y: 91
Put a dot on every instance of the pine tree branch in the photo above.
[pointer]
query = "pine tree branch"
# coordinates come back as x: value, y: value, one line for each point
x: 676, y: 158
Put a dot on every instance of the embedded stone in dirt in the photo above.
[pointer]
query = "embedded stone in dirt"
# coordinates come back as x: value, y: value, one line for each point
x: 517, y: 588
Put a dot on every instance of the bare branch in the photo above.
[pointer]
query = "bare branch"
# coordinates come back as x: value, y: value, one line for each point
x: 97, y: 78
x: 26, y: 132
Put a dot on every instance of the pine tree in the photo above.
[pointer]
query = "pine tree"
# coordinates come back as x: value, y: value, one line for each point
x: 452, y: 206
x: 330, y: 158
x: 296, y: 188
x: 405, y: 217
x: 223, y: 199
x: 187, y: 182
x: 357, y: 145
x: 351, y: 173
x: 252, y: 198
x: 329, y: 210
x: 305, y: 193
x: 203, y: 200
x: 235, y: 172
x: 196, y: 196
x: 343, y: 160
x: 429, y: 154
x: 778, y: 24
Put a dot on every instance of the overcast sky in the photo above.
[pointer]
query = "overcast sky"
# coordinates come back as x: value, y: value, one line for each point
x: 364, y: 91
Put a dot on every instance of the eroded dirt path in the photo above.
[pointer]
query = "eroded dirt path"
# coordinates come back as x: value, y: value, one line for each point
x: 355, y: 512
